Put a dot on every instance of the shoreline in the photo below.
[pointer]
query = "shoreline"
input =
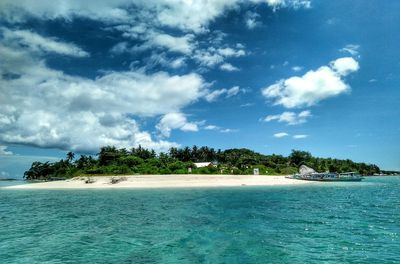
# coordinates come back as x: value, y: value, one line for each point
x: 162, y: 181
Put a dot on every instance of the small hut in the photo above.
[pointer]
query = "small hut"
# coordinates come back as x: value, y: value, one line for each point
x: 203, y: 164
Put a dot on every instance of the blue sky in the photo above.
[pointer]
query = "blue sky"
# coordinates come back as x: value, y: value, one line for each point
x: 269, y: 75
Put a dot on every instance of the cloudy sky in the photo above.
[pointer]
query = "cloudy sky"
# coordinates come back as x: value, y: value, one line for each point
x: 269, y: 75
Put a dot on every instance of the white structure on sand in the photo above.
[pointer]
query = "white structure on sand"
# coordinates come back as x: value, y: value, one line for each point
x: 203, y: 164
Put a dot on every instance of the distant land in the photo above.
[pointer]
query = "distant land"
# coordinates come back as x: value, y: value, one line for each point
x: 113, y: 161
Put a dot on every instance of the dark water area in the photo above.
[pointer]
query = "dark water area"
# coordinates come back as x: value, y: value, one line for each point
x: 319, y: 223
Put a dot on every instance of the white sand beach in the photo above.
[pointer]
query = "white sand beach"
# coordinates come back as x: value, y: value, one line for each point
x: 162, y: 181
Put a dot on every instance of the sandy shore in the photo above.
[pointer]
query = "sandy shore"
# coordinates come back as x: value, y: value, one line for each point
x: 162, y: 181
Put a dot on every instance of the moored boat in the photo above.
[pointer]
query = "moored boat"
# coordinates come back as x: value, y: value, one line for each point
x: 309, y: 174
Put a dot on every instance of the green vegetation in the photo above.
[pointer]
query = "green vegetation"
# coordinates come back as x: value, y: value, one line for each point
x: 113, y: 161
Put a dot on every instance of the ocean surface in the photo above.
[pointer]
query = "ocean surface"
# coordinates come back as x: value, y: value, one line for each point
x: 322, y: 223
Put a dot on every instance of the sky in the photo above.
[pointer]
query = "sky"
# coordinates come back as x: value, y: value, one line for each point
x: 268, y: 75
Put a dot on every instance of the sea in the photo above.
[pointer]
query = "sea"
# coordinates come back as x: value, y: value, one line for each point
x: 318, y: 223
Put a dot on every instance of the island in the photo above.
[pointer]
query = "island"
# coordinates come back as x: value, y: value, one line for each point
x: 195, y: 160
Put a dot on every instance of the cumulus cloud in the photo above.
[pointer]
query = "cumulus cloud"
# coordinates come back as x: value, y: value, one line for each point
x: 106, y: 10
x: 4, y: 151
x: 147, y: 22
x: 182, y: 14
x: 38, y: 43
x: 177, y: 44
x: 48, y: 108
x: 185, y: 15
x: 151, y: 40
x: 45, y: 107
x: 290, y: 117
x: 313, y: 86
x: 172, y: 121
x: 344, y: 66
x: 228, y: 67
x: 206, y: 53
x: 281, y: 134
x: 214, y: 95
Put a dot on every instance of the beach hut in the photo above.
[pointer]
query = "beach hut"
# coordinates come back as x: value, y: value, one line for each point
x: 203, y: 164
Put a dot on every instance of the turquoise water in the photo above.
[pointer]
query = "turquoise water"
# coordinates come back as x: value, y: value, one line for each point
x: 329, y: 223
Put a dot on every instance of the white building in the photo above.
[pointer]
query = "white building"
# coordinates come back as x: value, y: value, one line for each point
x: 203, y: 164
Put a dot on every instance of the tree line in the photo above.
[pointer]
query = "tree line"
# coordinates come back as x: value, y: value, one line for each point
x: 113, y: 161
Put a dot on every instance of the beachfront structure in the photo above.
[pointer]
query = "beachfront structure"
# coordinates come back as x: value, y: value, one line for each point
x: 203, y: 164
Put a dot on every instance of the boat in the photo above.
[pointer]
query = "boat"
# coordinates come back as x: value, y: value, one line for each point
x: 308, y: 174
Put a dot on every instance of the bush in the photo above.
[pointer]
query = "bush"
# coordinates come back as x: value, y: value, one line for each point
x: 94, y: 171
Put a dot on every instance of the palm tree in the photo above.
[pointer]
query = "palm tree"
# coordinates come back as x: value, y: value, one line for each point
x: 70, y: 156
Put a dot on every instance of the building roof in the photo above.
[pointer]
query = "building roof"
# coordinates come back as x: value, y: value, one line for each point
x: 202, y: 164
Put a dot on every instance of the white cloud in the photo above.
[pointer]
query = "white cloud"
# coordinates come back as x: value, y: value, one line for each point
x: 48, y: 108
x: 191, y: 15
x: 297, y: 68
x: 172, y: 121
x: 233, y: 91
x: 344, y: 66
x: 106, y: 10
x: 120, y: 48
x: 179, y: 44
x: 281, y: 135
x: 276, y: 4
x: 213, y: 56
x: 290, y: 117
x: 207, y: 58
x: 300, y: 136
x: 228, y: 67
x: 182, y: 44
x: 313, y: 86
x: 153, y: 39
x: 219, y: 129
x: 352, y: 49
x: 182, y: 14
x: 4, y: 151
x: 251, y: 20
x: 211, y: 127
x: 228, y: 130
x: 214, y: 95
x: 37, y: 43
x: 177, y: 63
x: 230, y: 52
x: 163, y: 59
x: 144, y: 21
